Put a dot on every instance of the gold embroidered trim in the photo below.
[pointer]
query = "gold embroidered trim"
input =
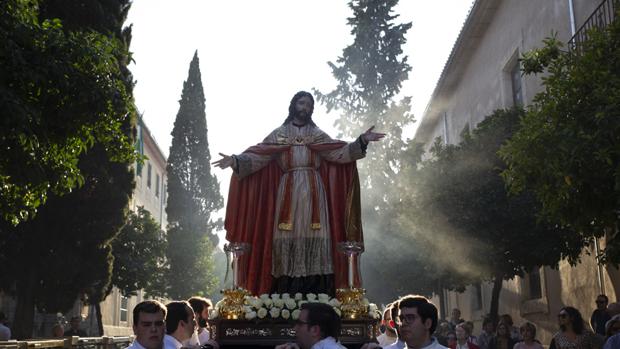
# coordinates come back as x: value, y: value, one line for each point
x: 285, y: 226
x: 315, y: 226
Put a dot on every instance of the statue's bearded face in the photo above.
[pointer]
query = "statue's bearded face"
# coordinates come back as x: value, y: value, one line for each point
x: 303, y: 109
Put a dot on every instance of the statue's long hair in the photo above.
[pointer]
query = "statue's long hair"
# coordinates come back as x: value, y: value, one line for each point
x: 291, y: 107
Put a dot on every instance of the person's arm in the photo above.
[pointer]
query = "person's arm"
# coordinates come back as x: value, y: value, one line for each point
x: 552, y: 344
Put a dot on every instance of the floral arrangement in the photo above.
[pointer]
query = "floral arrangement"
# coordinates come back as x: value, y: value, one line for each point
x: 284, y: 306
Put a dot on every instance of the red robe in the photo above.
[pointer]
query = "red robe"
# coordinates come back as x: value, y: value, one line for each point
x: 250, y: 214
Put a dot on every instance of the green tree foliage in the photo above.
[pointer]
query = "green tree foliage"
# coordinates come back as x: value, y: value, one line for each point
x: 369, y: 77
x: 193, y: 194
x: 472, y: 229
x: 69, y: 239
x: 60, y: 93
x: 139, y: 255
x: 567, y: 151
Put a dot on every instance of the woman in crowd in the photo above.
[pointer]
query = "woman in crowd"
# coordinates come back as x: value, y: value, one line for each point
x: 573, y: 333
x: 502, y: 339
x: 528, y: 333
x: 462, y: 338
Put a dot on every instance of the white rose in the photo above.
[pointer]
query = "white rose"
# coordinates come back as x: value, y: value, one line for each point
x: 268, y: 303
x: 365, y: 301
x: 375, y: 314
x: 275, y: 296
x: 334, y: 302
x: 257, y: 303
x: 290, y: 304
x: 323, y: 296
x: 300, y: 303
x: 311, y: 296
x: 251, y: 315
x: 264, y: 296
x: 299, y: 296
x: 285, y: 314
x: 262, y: 312
x: 247, y: 308
x: 295, y: 314
x: 278, y: 303
x: 286, y: 296
x: 274, y: 312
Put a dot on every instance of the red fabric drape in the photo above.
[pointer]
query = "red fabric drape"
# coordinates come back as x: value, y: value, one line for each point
x: 250, y: 214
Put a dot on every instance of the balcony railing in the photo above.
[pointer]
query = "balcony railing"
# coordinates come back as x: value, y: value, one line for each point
x: 604, y: 14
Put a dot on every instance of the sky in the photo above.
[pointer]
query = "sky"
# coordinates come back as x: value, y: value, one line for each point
x: 255, y: 55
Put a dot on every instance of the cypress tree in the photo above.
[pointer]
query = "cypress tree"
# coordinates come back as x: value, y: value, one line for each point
x: 193, y: 194
x: 369, y: 77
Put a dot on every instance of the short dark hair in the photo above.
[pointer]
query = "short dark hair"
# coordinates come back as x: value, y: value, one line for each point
x: 487, y: 320
x: 149, y: 306
x: 603, y: 296
x: 177, y: 311
x: 291, y: 107
x: 198, y: 304
x: 324, y: 316
x: 426, y: 309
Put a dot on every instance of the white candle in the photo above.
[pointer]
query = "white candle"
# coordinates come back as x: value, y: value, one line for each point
x: 350, y: 271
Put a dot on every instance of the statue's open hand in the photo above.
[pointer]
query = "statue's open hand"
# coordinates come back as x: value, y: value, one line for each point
x: 225, y: 162
x: 370, y: 136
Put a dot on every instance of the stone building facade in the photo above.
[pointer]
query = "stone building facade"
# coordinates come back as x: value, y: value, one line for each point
x: 482, y: 75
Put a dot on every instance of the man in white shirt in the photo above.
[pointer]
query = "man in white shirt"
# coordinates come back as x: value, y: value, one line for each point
x: 201, y: 306
x: 417, y: 320
x: 148, y: 325
x: 317, y: 328
x: 180, y: 325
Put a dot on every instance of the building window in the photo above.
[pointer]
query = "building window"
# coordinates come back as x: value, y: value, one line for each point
x: 535, y: 286
x: 123, y: 309
x: 157, y: 184
x: 163, y: 194
x: 148, y: 175
x: 477, y: 297
x: 517, y: 90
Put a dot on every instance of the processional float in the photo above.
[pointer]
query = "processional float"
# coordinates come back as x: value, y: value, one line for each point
x: 242, y: 318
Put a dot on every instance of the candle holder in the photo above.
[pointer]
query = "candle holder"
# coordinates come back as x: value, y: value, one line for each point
x: 234, y: 251
x: 352, y: 298
x: 234, y: 295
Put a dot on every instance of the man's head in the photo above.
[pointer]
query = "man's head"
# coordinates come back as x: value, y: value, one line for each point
x: 148, y: 323
x: 180, y: 320
x: 201, y: 307
x: 487, y: 325
x: 601, y: 302
x: 316, y: 321
x: 75, y: 322
x: 456, y: 314
x: 301, y: 108
x: 417, y: 320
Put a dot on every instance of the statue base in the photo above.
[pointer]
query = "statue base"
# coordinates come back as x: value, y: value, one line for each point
x: 269, y: 333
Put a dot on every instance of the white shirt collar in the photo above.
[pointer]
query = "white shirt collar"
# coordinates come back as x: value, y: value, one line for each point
x: 171, y: 342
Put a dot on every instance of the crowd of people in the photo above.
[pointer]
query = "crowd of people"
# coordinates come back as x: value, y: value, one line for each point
x: 409, y: 322
x: 574, y: 332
